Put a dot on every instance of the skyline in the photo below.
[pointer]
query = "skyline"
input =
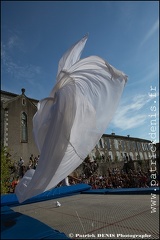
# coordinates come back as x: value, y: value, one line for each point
x: 126, y: 34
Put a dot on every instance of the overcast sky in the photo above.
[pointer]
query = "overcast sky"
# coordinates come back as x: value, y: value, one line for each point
x: 34, y: 36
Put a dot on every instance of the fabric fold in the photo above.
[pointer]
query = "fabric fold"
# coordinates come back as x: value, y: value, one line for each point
x: 70, y: 122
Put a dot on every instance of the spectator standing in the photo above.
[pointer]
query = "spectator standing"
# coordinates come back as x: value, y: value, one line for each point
x: 21, y: 164
x: 31, y: 161
x: 21, y: 161
x: 14, y: 183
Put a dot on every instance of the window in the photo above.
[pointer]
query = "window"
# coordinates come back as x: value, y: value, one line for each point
x: 24, y: 136
x: 110, y: 156
x: 108, y: 144
x: 143, y: 146
x: 131, y: 156
x: 116, y: 143
x: 98, y: 145
x: 148, y: 147
x: 141, y: 155
x: 145, y: 156
x: 23, y: 102
x: 118, y: 156
x: 123, y: 145
x: 138, y: 146
x: 134, y: 146
x: 101, y: 143
x: 129, y: 146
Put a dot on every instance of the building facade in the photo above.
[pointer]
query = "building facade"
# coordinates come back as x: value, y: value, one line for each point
x: 17, y: 112
x: 115, y: 151
x: 113, y: 148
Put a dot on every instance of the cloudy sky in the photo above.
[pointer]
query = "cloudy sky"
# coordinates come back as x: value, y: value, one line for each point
x: 34, y: 36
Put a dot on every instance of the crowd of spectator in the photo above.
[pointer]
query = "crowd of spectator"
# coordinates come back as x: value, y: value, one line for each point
x: 117, y: 178
x: 114, y: 178
x: 18, y: 171
x: 127, y: 177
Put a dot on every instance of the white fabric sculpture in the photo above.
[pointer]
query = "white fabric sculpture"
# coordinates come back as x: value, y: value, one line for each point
x: 69, y: 123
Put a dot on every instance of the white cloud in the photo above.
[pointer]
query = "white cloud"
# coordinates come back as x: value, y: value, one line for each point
x: 151, y: 73
x: 13, y: 41
x: 131, y: 115
x: 17, y: 71
x: 149, y: 34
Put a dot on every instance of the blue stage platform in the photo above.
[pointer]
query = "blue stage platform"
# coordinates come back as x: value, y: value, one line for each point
x: 123, y: 191
x: 15, y: 225
x: 11, y: 199
x: 19, y: 226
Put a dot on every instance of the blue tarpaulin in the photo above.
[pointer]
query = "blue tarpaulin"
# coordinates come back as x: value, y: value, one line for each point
x: 123, y: 191
x: 15, y: 225
x: 11, y: 199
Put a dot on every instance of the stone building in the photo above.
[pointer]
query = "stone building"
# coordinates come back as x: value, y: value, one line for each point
x: 115, y: 151
x: 117, y: 148
x: 17, y: 112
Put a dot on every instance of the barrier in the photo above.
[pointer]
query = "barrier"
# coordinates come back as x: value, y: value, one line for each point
x: 123, y: 191
x: 11, y: 199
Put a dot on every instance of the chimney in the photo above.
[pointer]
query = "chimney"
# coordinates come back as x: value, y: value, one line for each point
x: 23, y: 90
x: 128, y: 135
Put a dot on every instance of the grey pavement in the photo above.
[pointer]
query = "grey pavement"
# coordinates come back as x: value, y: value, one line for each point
x: 94, y: 216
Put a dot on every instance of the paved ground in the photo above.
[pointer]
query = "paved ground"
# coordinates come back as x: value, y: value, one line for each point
x: 93, y: 216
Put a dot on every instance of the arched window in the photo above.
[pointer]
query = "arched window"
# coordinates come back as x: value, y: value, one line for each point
x: 123, y: 146
x: 108, y: 144
x: 145, y: 156
x: 141, y: 155
x: 116, y: 143
x: 24, y: 137
x: 118, y: 156
x: 23, y: 102
x: 110, y: 156
x: 101, y: 142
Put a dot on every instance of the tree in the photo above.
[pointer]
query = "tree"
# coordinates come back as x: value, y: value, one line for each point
x: 6, y: 165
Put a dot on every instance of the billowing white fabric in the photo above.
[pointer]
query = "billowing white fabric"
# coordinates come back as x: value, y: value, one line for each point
x: 70, y: 122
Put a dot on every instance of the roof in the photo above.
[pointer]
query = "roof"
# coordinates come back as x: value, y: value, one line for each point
x: 13, y: 95
x: 125, y: 137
